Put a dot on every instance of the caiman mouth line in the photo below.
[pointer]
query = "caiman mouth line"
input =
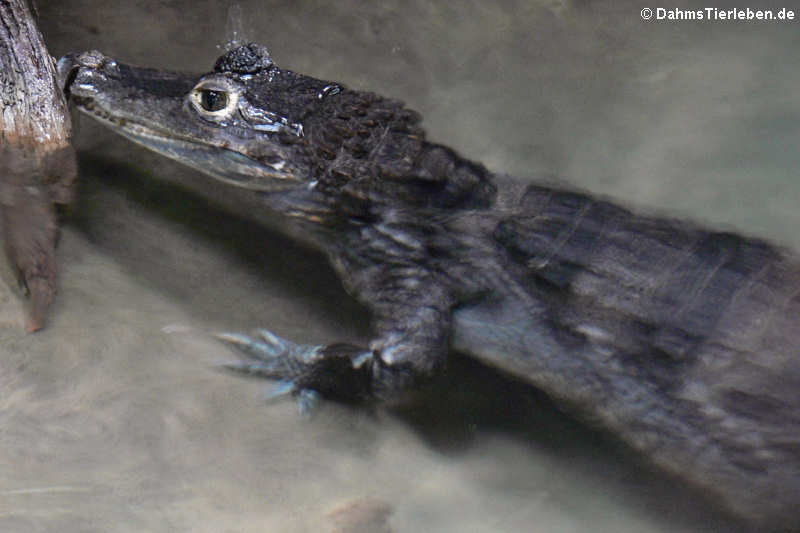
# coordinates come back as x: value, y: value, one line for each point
x: 228, y: 165
x: 89, y: 105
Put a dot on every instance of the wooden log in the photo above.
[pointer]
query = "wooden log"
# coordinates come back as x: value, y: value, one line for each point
x: 37, y: 161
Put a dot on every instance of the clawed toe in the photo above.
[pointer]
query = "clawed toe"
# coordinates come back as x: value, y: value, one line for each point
x: 307, y: 402
x: 307, y: 399
x: 268, y: 346
x: 252, y: 367
x: 278, y: 390
x: 337, y: 371
x: 268, y: 355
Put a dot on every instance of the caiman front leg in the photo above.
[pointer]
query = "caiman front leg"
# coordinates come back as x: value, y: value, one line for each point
x: 413, y: 333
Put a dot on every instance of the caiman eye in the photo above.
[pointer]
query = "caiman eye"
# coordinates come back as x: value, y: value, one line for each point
x: 213, y: 100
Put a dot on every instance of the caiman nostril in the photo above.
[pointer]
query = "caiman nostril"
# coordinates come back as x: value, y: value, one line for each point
x: 91, y: 59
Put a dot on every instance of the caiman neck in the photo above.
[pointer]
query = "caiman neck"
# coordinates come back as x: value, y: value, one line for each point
x: 370, y: 152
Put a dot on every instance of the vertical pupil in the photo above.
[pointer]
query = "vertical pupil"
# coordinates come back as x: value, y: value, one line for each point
x: 213, y: 100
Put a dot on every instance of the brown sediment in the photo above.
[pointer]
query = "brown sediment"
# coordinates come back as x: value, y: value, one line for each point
x: 37, y: 162
x: 364, y: 515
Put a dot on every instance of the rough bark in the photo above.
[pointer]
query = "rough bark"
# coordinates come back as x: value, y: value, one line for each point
x: 37, y: 162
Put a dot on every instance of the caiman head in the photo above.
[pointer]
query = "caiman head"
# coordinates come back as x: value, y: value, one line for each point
x: 240, y: 123
x: 248, y: 122
x: 254, y: 125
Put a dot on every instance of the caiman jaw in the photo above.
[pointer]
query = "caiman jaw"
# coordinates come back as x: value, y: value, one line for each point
x: 154, y: 109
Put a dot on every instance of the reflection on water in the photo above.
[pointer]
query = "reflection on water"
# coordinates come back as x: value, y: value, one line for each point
x: 112, y: 423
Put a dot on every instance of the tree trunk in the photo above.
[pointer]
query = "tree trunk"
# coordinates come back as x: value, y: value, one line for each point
x: 37, y: 162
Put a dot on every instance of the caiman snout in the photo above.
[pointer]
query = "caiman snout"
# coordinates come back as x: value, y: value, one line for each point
x: 78, y: 74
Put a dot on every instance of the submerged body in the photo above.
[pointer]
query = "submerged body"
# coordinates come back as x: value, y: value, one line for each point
x: 678, y: 339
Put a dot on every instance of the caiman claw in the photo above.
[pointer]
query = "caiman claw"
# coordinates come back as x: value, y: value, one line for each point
x: 335, y: 371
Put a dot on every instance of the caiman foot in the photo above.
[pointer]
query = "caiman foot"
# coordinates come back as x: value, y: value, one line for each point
x: 339, y: 371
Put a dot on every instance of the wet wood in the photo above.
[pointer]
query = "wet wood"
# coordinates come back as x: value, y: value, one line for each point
x: 37, y: 162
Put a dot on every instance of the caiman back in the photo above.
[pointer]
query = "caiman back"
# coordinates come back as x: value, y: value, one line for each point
x: 682, y: 341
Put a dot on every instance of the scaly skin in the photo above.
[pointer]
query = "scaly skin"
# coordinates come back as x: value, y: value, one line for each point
x: 679, y: 339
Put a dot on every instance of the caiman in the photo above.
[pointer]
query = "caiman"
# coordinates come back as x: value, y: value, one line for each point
x: 681, y: 340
